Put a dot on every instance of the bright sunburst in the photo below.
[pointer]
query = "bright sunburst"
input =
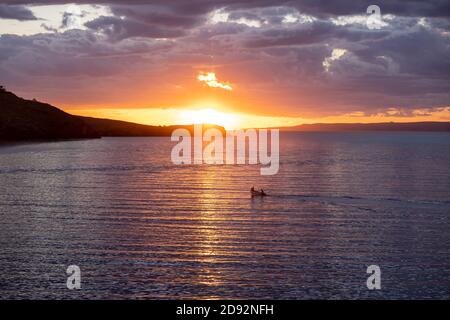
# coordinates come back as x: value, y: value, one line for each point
x: 209, y: 116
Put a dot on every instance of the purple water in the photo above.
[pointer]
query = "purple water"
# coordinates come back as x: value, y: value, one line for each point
x: 140, y: 227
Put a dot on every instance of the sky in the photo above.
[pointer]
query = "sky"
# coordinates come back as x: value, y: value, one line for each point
x: 239, y: 63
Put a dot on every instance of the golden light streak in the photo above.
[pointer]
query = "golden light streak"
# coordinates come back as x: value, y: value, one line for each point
x: 231, y: 121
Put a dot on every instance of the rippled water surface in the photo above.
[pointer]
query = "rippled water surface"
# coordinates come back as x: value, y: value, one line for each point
x: 140, y: 227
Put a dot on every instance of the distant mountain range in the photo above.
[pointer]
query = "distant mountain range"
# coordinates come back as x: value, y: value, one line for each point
x: 385, y: 126
x: 22, y: 119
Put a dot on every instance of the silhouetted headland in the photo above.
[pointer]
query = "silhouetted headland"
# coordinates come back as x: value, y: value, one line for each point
x: 22, y: 119
x: 26, y: 120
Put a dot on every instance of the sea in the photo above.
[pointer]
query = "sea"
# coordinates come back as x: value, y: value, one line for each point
x: 140, y: 227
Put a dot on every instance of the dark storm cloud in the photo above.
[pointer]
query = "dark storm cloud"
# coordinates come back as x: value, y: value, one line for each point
x: 16, y: 12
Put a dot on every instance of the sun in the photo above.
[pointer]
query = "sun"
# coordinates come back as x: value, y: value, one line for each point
x: 209, y: 116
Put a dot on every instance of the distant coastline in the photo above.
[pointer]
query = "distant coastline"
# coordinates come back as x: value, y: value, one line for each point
x: 430, y: 126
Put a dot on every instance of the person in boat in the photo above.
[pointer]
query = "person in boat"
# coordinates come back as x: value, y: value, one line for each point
x: 257, y: 192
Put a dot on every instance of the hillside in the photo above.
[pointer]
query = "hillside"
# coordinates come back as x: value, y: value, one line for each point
x: 22, y: 119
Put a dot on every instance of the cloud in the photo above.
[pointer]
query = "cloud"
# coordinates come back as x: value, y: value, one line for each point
x: 277, y: 53
x: 336, y: 54
x: 149, y: 21
x: 410, y: 8
x: 312, y: 32
x: 72, y: 18
x: 157, y: 15
x: 16, y: 13
x: 210, y: 80
x: 118, y: 29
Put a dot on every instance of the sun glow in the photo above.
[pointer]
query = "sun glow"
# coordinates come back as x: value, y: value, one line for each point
x: 209, y: 116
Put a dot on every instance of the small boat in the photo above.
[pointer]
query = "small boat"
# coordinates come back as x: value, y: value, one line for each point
x: 256, y: 193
